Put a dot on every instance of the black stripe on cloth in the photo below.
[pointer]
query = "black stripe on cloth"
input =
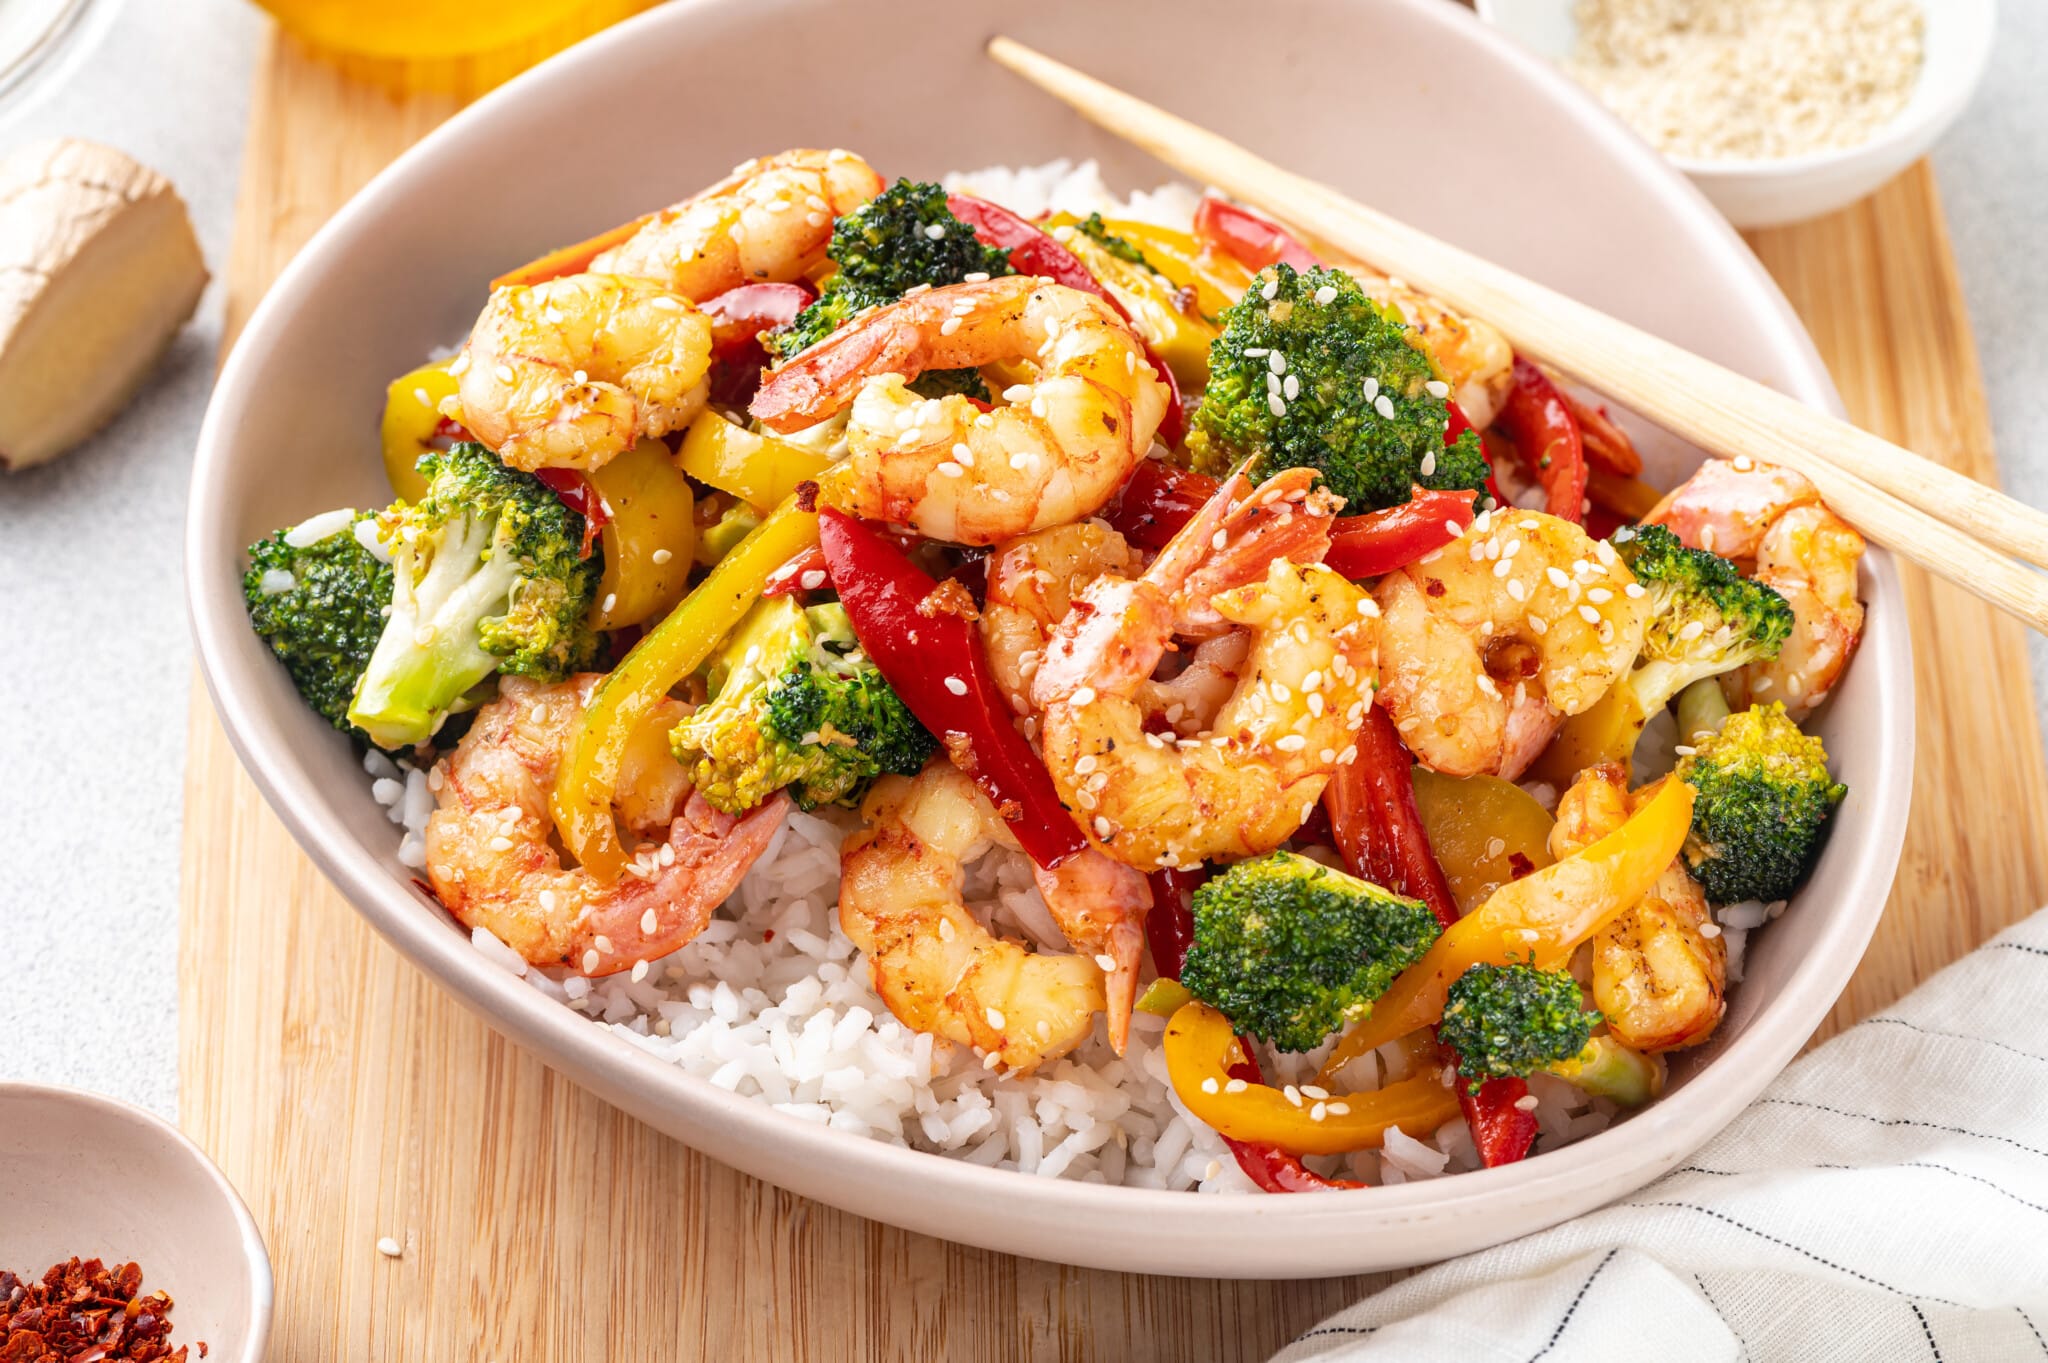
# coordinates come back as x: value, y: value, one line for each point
x: 1905, y: 1121
x: 1926, y: 1329
x: 2032, y: 1331
x: 1332, y: 1330
x: 1740, y: 1342
x: 1796, y: 1249
x: 1958, y: 1036
x: 1571, y: 1310
x: 1902, y: 1164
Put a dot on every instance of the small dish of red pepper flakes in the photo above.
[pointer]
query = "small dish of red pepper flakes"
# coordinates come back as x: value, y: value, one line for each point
x: 81, y: 1311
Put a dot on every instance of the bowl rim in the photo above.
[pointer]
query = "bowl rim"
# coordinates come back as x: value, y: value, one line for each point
x: 1928, y: 111
x: 255, y: 1254
x: 1628, y: 1153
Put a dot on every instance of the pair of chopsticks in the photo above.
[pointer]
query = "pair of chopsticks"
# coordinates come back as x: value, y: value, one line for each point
x: 1952, y: 526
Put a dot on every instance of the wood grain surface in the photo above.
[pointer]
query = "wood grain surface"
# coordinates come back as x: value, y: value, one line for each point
x: 349, y: 1099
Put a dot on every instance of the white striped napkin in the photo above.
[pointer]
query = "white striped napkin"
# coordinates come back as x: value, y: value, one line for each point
x: 1886, y: 1198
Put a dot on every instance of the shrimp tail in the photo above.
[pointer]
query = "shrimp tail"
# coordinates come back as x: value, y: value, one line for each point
x: 1100, y: 905
x: 1286, y: 517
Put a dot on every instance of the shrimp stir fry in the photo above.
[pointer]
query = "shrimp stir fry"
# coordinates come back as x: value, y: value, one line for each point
x: 570, y: 373
x: 1488, y: 642
x: 1660, y: 970
x: 491, y: 864
x: 1245, y: 787
x: 939, y: 969
x: 768, y: 222
x: 876, y: 486
x: 1062, y: 444
x: 1803, y: 550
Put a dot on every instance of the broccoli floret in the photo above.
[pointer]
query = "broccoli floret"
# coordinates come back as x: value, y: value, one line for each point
x: 1764, y: 801
x: 1705, y: 617
x: 1311, y: 373
x: 903, y: 237
x: 938, y: 383
x: 490, y: 576
x: 1512, y: 1020
x: 320, y: 607
x: 1290, y: 950
x: 796, y: 703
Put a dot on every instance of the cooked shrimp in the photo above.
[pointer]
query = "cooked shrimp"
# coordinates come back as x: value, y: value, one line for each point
x: 1475, y: 358
x: 573, y: 371
x: 1805, y: 551
x: 1809, y: 555
x: 1058, y: 451
x: 1151, y: 801
x: 490, y: 861
x: 770, y: 220
x: 1489, y: 641
x: 937, y: 968
x: 1659, y: 971
x: 1727, y: 505
x: 1032, y: 580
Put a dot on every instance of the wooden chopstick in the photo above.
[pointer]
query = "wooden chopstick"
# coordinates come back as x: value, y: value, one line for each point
x: 1929, y: 514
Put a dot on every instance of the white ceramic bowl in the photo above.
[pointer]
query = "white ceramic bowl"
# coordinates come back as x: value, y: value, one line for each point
x: 666, y: 103
x: 90, y: 1177
x: 1764, y: 193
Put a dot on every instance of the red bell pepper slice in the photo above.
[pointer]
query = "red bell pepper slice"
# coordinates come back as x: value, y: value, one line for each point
x: 1381, y: 541
x: 1250, y: 239
x: 1380, y: 834
x: 580, y: 495
x: 1159, y: 498
x: 791, y: 576
x: 1170, y: 926
x: 1539, y: 420
x: 1034, y: 252
x: 925, y: 649
x: 739, y: 316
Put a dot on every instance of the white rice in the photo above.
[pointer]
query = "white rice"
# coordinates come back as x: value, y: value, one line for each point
x: 773, y: 1002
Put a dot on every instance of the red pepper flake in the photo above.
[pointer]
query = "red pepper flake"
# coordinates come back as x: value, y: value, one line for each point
x: 82, y: 1311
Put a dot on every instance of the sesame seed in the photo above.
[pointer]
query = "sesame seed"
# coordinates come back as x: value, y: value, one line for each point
x: 501, y: 844
x: 1103, y: 827
x: 956, y: 686
x: 1503, y: 568
x: 1317, y: 1113
x: 1292, y: 390
x: 1210, y: 1170
x: 1083, y: 696
x: 547, y: 901
x: 949, y: 326
x: 812, y: 579
x: 1384, y: 405
x: 1271, y: 290
x: 1693, y: 630
x: 1276, y: 405
x: 1429, y: 463
x: 1210, y: 1085
x: 611, y: 599
x: 975, y: 277
x: 504, y: 373
x: 1106, y: 961
x: 1236, y: 1086
x: 1372, y: 388
x: 1599, y: 596
x: 590, y: 959
x: 1589, y: 615
x: 1707, y: 538
x: 1634, y: 591
x: 1293, y: 1094
x: 648, y: 922
x: 1437, y: 388
x: 995, y: 1019
x: 1326, y: 295
x: 1515, y: 587
x: 936, y: 231
x: 1290, y: 743
x: 949, y: 469
x: 1710, y: 930
x: 1526, y: 1103
x: 661, y: 556
x: 1537, y: 626
x: 390, y: 1248
x: 639, y: 971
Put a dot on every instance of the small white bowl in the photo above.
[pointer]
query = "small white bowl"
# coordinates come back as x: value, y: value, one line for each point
x: 1765, y: 193
x: 90, y: 1177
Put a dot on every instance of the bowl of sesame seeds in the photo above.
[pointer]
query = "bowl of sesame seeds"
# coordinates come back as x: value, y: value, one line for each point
x: 1779, y: 110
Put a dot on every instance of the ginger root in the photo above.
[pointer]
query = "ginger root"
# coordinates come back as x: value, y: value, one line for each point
x: 99, y: 267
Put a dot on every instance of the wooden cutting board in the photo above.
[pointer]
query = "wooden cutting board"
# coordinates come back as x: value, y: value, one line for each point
x: 350, y: 1100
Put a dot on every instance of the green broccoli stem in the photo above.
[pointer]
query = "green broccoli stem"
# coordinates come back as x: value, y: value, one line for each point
x: 1702, y: 708
x: 429, y: 653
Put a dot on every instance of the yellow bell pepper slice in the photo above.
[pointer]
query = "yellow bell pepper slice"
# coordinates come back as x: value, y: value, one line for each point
x: 1541, y: 918
x: 671, y: 651
x: 1218, y: 281
x: 1478, y: 826
x: 650, y: 541
x: 1201, y: 1048
x: 412, y: 413
x: 759, y: 469
x: 1606, y: 732
x: 1178, y: 338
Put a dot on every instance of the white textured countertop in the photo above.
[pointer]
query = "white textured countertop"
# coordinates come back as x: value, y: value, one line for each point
x: 92, y: 743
